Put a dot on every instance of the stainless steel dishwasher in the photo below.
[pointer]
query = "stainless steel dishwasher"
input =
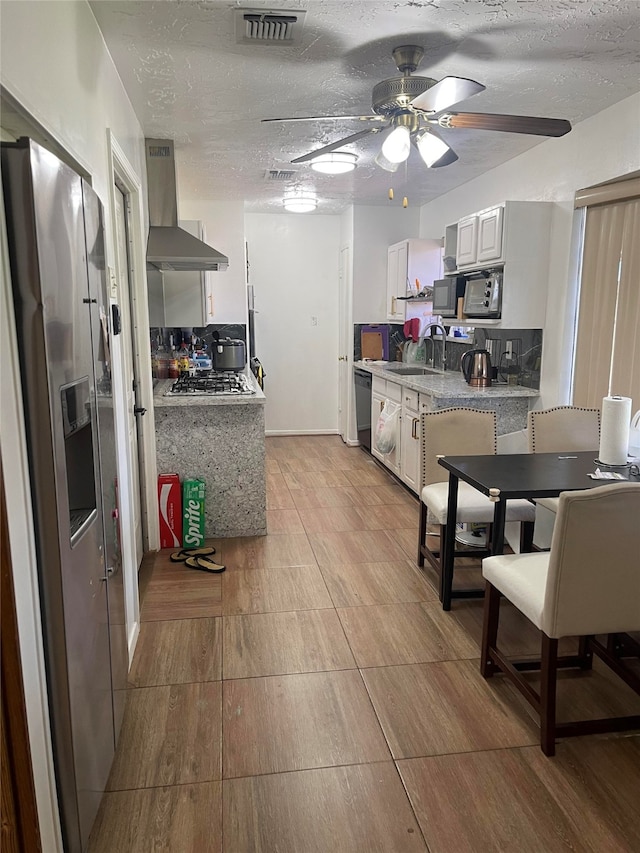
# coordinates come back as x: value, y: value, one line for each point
x: 363, y: 407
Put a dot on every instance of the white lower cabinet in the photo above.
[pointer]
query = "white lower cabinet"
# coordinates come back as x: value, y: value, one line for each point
x: 410, y: 439
x: 404, y: 460
x: 384, y: 390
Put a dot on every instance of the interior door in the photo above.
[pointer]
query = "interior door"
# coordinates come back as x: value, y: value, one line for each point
x: 344, y: 384
x: 128, y: 365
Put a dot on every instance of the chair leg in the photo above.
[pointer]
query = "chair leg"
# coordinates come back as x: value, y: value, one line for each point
x: 548, y: 679
x: 422, y: 532
x: 446, y: 569
x: 585, y: 653
x: 489, y: 629
x: 526, y: 536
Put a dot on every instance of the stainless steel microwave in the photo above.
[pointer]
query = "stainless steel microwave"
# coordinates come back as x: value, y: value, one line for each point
x: 446, y: 292
x: 483, y: 295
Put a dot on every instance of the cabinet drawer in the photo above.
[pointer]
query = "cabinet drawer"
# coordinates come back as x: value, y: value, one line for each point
x: 379, y: 386
x: 410, y: 399
x: 394, y: 391
x: 426, y: 403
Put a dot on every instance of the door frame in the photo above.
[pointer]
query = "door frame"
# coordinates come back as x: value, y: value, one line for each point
x: 346, y: 389
x: 121, y: 171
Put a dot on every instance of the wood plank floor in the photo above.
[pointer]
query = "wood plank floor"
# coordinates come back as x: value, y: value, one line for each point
x: 315, y: 698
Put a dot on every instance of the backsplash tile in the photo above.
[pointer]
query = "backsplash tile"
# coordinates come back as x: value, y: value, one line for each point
x: 526, y: 347
x: 161, y: 336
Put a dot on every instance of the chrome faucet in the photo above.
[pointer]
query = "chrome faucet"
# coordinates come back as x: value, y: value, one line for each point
x: 433, y: 343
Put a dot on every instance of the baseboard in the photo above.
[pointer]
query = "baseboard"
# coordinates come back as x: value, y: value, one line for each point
x: 133, y: 640
x: 270, y: 432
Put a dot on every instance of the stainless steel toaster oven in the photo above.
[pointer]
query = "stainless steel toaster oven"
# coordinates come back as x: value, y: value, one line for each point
x: 483, y: 295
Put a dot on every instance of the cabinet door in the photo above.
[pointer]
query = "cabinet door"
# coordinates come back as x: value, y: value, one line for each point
x: 410, y: 447
x: 377, y: 403
x: 396, y: 274
x: 209, y: 299
x: 391, y: 460
x: 183, y: 299
x: 467, y: 243
x: 489, y: 243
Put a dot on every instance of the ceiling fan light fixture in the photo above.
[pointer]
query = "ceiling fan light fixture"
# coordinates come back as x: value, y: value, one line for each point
x: 335, y: 162
x: 397, y: 145
x: 382, y: 161
x: 431, y: 147
x: 299, y: 201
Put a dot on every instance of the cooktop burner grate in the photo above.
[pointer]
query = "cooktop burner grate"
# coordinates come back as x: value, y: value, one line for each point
x: 221, y: 382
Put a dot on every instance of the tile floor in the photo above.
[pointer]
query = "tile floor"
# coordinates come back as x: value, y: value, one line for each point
x: 315, y: 698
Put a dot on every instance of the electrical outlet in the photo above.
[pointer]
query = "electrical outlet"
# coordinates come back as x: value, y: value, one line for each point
x: 314, y: 321
x: 508, y: 349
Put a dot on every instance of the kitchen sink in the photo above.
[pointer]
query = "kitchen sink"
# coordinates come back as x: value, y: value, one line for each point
x: 413, y: 371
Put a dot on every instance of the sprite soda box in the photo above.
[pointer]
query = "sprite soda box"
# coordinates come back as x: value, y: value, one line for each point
x: 192, y: 513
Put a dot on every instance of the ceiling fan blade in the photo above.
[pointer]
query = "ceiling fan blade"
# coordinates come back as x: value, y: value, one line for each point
x: 510, y: 124
x: 332, y: 147
x: 328, y: 118
x: 446, y: 93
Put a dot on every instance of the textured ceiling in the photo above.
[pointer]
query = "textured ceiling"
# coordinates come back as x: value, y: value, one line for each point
x: 189, y: 80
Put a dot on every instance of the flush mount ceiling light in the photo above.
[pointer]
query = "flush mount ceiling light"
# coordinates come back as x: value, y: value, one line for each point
x: 335, y: 162
x: 299, y: 201
x: 397, y: 145
x: 431, y: 147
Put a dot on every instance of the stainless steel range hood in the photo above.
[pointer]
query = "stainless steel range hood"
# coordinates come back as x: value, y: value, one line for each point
x: 170, y: 248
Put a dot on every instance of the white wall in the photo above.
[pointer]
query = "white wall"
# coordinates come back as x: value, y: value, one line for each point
x: 294, y: 271
x: 224, y: 230
x: 54, y: 63
x: 599, y: 149
x: 375, y: 228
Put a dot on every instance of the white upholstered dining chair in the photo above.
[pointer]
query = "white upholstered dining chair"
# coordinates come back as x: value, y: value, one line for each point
x: 588, y: 584
x: 458, y: 431
x: 562, y: 428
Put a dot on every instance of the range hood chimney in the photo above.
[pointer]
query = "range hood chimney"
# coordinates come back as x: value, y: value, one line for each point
x: 170, y: 248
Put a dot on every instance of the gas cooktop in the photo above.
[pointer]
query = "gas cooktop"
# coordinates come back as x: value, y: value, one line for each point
x: 212, y: 383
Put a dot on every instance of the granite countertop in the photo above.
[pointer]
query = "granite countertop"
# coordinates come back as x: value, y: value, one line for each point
x: 162, y: 400
x: 448, y: 384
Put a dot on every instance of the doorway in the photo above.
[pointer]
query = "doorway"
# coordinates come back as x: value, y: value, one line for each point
x: 135, y: 435
x: 133, y: 410
x: 345, y: 345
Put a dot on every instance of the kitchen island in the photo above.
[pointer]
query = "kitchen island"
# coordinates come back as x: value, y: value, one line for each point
x: 442, y: 390
x: 219, y: 439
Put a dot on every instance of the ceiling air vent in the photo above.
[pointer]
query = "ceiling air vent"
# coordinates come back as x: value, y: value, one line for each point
x: 279, y: 175
x: 266, y: 27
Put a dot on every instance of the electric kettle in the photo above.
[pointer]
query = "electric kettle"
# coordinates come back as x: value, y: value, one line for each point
x: 475, y: 365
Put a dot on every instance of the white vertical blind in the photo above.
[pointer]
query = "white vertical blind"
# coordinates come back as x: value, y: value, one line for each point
x: 607, y: 357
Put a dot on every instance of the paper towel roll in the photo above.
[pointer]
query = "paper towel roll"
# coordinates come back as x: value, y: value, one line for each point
x: 614, y: 430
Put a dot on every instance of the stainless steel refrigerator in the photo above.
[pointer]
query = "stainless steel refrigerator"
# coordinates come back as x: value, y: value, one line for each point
x: 56, y: 248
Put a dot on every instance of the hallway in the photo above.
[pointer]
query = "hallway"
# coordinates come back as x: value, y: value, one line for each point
x: 316, y: 698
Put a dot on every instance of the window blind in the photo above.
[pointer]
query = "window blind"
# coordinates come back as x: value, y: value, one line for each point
x: 607, y: 353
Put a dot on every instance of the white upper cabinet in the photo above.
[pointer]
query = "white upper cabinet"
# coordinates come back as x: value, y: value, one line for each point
x: 489, y: 245
x: 467, y: 247
x: 480, y: 238
x: 513, y: 237
x: 408, y: 261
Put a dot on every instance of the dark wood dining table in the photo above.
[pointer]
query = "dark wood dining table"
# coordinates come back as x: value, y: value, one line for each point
x: 504, y: 477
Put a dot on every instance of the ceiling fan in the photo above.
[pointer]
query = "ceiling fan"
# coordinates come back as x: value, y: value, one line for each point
x: 411, y: 107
